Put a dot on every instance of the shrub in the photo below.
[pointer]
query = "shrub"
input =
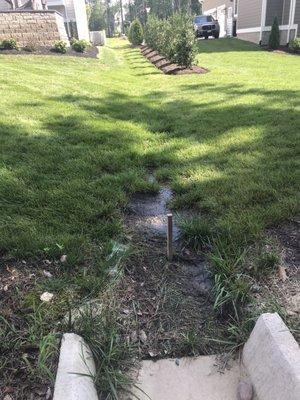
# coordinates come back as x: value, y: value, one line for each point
x: 274, y: 39
x: 174, y: 38
x: 183, y: 49
x: 9, y: 44
x: 295, y: 45
x: 60, y: 47
x: 136, y: 35
x: 80, y: 45
x: 73, y: 40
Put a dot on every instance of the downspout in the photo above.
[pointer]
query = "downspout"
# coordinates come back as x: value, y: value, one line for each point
x: 68, y: 21
x: 291, y: 18
x: 263, y: 20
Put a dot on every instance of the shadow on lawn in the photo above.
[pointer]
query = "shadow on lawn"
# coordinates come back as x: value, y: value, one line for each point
x: 243, y: 184
x: 75, y: 180
x: 223, y: 45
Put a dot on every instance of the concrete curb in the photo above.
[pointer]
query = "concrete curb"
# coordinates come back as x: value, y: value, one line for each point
x: 76, y: 368
x: 271, y: 357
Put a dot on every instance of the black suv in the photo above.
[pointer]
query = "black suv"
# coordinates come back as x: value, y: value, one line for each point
x: 205, y: 26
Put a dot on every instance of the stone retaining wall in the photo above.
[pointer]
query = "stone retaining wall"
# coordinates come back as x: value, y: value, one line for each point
x: 39, y: 28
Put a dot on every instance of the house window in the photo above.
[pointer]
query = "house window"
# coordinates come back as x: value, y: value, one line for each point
x: 274, y: 9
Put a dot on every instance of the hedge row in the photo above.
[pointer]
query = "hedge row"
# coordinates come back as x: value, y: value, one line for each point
x: 173, y: 37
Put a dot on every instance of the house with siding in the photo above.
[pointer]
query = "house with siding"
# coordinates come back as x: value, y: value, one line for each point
x: 73, y: 11
x: 225, y: 11
x: 252, y: 20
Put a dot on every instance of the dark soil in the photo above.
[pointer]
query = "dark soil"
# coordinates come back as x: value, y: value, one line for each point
x: 90, y: 52
x: 285, y: 292
x: 166, y: 66
x: 18, y: 289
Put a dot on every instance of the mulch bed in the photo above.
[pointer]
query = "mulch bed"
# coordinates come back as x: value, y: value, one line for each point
x: 91, y: 52
x: 166, y: 66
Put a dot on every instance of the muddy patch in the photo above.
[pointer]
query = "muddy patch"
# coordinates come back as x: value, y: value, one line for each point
x: 148, y: 214
x: 165, y: 302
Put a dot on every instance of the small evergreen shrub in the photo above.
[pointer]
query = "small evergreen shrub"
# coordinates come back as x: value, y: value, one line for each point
x: 183, y: 51
x: 136, y: 35
x: 60, y: 47
x: 295, y: 45
x: 9, y: 44
x: 274, y: 39
x: 80, y: 45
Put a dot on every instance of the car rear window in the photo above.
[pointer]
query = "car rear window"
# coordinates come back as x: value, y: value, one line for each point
x: 203, y: 18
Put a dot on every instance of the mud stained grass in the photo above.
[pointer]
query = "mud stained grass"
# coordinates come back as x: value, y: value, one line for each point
x: 78, y: 138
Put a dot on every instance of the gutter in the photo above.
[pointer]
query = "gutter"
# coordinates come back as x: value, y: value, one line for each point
x: 291, y: 19
x: 263, y: 19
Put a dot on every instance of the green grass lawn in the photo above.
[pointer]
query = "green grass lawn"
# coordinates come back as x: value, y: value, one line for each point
x: 78, y: 137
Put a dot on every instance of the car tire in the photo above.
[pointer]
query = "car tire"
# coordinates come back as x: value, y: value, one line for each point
x: 205, y: 37
x: 216, y: 36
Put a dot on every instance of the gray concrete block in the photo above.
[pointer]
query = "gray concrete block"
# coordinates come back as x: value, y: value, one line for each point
x: 271, y: 357
x: 76, y: 368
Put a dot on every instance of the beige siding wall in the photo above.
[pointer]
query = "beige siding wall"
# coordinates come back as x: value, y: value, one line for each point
x: 81, y: 20
x: 250, y: 37
x: 283, y: 37
x: 249, y: 14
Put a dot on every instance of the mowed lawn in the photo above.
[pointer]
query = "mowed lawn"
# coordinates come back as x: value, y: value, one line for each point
x: 79, y: 136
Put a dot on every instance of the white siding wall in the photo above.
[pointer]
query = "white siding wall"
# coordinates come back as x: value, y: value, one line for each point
x: 81, y: 19
x: 70, y: 9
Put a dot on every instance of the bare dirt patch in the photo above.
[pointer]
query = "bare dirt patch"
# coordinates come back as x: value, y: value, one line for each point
x: 284, y: 289
x: 19, y: 348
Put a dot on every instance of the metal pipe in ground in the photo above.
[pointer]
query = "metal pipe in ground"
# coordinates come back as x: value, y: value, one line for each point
x: 170, y: 237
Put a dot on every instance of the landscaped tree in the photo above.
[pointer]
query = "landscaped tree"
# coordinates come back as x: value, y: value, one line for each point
x: 136, y: 35
x: 97, y: 20
x: 196, y: 7
x: 274, y: 39
x: 161, y: 8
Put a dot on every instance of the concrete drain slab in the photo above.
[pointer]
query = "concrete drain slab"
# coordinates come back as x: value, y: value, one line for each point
x: 197, y: 378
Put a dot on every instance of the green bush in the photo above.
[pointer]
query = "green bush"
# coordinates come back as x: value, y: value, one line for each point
x: 136, y: 35
x: 60, y: 47
x: 80, y: 45
x: 9, y: 44
x: 295, y: 45
x: 183, y: 49
x: 73, y: 40
x: 174, y: 38
x: 274, y: 39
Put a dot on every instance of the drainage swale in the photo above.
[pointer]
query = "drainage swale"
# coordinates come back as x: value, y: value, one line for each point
x: 165, y: 300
